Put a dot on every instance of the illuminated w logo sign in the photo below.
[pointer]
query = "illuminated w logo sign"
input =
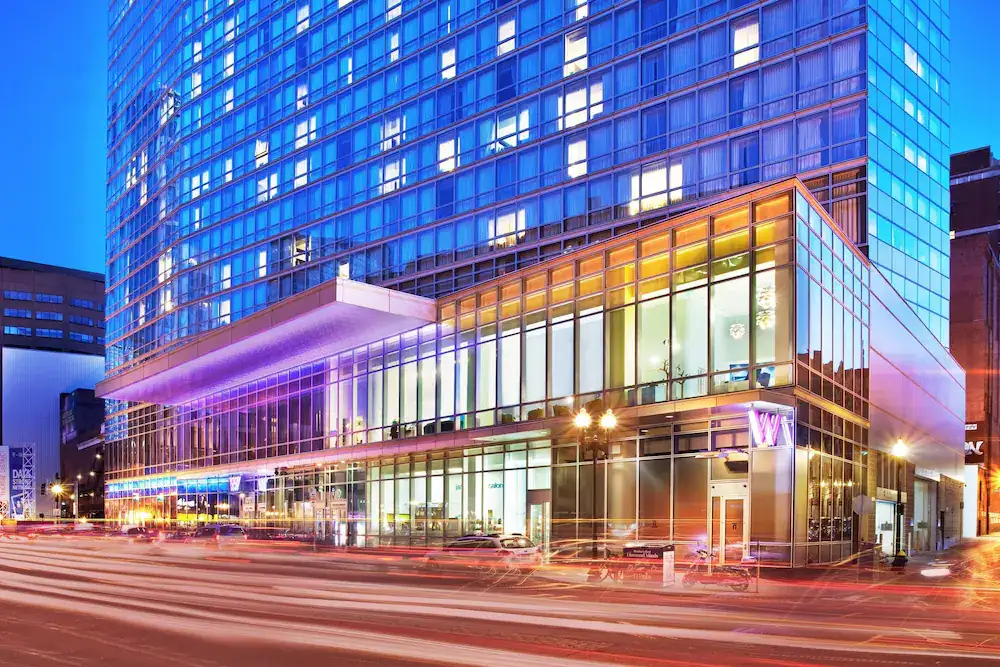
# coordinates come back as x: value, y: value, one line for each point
x: 764, y: 427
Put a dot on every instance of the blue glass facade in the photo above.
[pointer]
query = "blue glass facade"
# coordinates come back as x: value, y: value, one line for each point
x: 908, y: 150
x: 259, y: 148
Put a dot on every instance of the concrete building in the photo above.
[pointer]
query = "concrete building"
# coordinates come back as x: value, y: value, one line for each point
x: 975, y: 325
x: 52, y: 324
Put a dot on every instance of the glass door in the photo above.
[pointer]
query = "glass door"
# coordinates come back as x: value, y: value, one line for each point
x: 538, y: 525
x: 728, y: 529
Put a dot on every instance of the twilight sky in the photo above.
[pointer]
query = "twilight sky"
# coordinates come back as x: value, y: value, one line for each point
x: 53, y: 120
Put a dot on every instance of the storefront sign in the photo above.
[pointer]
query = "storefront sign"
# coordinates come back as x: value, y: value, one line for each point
x: 765, y: 426
x: 975, y: 443
x: 235, y: 482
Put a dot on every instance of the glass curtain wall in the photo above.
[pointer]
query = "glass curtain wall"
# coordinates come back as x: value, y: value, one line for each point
x: 703, y: 308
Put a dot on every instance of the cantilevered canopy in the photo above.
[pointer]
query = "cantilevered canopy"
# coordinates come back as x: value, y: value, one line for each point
x: 324, y: 320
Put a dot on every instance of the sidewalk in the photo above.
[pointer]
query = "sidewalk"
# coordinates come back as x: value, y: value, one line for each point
x: 845, y: 581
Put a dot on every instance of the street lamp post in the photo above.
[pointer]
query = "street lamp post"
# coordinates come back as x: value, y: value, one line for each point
x: 899, y: 451
x: 589, y: 441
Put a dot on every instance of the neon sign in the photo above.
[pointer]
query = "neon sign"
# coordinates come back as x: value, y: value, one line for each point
x: 764, y: 428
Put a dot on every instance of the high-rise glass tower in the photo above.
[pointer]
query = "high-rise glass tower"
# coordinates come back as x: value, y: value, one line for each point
x: 259, y: 148
x: 354, y: 244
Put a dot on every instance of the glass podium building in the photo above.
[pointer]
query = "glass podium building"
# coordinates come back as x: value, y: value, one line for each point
x: 732, y: 342
x: 358, y: 174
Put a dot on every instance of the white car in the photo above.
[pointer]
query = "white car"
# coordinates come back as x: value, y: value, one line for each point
x: 487, y: 553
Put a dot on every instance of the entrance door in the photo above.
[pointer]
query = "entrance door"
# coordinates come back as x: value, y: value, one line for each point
x: 538, y: 525
x: 728, y: 529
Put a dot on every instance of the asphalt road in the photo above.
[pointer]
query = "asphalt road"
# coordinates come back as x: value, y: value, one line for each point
x: 83, y: 601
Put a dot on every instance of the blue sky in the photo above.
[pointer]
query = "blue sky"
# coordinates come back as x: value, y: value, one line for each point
x: 54, y: 55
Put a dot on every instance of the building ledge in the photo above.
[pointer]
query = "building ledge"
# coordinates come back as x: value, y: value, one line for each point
x: 327, y: 319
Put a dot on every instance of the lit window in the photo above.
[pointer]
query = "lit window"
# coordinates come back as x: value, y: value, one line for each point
x: 301, y: 133
x: 228, y: 99
x: 507, y: 130
x: 165, y: 267
x: 302, y: 19
x: 446, y: 155
x: 576, y: 156
x: 596, y: 97
x: 197, y: 52
x: 576, y: 105
x: 746, y: 38
x: 230, y: 28
x: 228, y: 170
x: 229, y: 63
x: 676, y: 180
x: 267, y: 187
x: 227, y: 275
x: 575, y: 52
x: 195, y: 84
x: 390, y: 181
x: 301, y: 96
x: 393, y: 9
x: 390, y: 133
x: 582, y: 11
x: 654, y: 186
x: 224, y: 308
x: 524, y: 125
x: 448, y: 63
x: 260, y: 153
x: 394, y: 45
x: 262, y: 264
x: 912, y: 61
x: 301, y: 173
x: 506, y: 31
x: 509, y: 227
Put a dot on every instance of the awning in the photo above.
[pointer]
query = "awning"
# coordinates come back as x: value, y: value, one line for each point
x: 327, y: 319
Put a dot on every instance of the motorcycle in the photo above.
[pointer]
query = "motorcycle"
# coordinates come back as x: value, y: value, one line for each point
x: 702, y: 572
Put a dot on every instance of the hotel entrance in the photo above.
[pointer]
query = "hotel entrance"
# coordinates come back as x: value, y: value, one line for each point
x: 730, y: 527
x: 539, y: 511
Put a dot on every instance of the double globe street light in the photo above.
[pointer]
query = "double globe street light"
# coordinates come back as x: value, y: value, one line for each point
x: 598, y: 448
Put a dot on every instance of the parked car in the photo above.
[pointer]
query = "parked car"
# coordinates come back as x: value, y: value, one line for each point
x: 491, y: 554
x: 219, y: 534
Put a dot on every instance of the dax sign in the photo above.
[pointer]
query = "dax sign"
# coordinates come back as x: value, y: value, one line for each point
x: 765, y: 427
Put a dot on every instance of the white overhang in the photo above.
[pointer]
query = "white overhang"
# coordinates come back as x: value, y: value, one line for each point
x: 327, y: 319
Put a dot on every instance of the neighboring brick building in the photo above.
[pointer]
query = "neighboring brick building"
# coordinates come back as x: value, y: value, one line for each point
x: 975, y: 322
